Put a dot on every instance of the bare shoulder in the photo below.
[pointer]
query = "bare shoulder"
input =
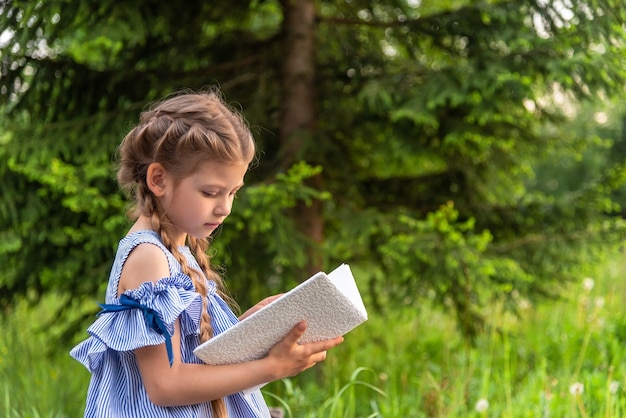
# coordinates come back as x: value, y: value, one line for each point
x: 145, y: 263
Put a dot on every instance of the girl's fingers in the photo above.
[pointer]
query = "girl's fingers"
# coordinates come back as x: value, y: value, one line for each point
x: 296, y: 333
x: 295, y: 357
x: 325, y: 345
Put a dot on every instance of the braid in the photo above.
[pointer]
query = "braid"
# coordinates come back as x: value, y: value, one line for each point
x: 199, y: 249
x: 206, y: 330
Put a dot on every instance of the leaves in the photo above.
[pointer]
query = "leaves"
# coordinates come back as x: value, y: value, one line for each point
x: 451, y: 150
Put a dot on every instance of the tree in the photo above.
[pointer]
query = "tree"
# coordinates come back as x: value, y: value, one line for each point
x: 397, y: 136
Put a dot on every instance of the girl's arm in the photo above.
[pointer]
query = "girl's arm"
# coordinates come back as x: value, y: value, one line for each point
x: 185, y: 384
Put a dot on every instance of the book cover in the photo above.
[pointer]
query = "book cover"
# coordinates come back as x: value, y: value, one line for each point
x: 330, y: 304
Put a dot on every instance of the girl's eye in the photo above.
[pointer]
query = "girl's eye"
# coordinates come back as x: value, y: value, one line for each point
x: 208, y: 194
x: 234, y: 195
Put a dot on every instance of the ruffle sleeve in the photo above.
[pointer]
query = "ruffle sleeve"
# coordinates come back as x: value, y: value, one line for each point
x: 170, y: 298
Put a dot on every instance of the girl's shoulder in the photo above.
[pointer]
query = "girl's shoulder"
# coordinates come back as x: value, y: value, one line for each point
x: 145, y: 263
x: 141, y: 257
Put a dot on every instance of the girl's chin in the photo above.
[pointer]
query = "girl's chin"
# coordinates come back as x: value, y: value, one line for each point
x: 205, y: 232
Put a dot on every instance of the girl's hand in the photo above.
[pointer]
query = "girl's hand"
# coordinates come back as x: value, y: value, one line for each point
x: 291, y: 358
x: 259, y: 305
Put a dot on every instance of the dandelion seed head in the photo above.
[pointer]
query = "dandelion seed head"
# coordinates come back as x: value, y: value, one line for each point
x: 481, y: 405
x: 524, y: 304
x: 588, y: 284
x: 599, y: 302
x: 614, y: 387
x: 577, y: 389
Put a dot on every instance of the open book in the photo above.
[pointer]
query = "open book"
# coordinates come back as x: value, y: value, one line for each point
x: 329, y: 303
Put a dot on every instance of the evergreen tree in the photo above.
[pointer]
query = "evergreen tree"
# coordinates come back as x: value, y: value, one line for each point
x: 398, y: 136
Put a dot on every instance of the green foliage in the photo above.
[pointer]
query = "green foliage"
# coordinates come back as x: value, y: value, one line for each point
x: 437, y: 131
x: 260, y: 229
x: 486, y: 98
x: 443, y: 246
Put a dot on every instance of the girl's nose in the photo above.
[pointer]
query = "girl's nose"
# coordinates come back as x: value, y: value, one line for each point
x: 224, y: 207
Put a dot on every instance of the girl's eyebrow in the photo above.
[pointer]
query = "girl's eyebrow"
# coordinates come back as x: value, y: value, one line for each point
x: 219, y: 186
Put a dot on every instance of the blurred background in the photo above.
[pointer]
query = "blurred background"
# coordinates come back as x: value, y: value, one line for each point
x: 466, y: 158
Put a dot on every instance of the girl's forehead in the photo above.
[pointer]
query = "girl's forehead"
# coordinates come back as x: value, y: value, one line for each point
x: 218, y: 172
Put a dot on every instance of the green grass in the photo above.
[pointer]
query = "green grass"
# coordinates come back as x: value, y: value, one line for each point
x: 38, y: 378
x: 409, y: 363
x: 523, y: 366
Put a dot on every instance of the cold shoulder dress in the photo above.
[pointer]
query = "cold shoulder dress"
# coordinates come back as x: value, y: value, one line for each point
x: 116, y: 389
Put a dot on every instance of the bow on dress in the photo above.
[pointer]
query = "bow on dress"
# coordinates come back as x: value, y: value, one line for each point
x: 152, y: 318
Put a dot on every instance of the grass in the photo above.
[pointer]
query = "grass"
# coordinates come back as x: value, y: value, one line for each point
x: 559, y: 359
x: 37, y: 380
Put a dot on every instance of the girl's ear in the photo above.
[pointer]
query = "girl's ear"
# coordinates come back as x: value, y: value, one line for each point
x: 155, y: 179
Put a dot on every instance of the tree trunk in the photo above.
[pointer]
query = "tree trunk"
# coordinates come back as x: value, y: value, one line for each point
x: 298, y: 116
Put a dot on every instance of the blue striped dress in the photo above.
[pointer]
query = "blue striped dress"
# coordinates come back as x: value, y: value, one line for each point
x: 116, y: 389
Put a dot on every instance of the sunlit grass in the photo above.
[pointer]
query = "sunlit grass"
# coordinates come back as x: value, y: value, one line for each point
x: 39, y: 378
x: 560, y: 359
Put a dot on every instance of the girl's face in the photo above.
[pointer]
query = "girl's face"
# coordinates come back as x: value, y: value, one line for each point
x: 199, y: 203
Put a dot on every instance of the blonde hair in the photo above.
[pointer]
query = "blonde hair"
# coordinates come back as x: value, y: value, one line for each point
x: 180, y: 133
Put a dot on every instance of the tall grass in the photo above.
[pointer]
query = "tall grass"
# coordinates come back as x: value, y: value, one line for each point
x: 558, y: 359
x: 37, y: 377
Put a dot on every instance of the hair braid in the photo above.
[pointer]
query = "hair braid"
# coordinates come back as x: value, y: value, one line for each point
x: 218, y: 406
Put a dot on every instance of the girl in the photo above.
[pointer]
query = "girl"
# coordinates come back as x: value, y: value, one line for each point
x: 182, y: 166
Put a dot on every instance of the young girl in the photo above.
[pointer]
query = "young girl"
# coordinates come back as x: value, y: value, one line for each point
x: 182, y: 165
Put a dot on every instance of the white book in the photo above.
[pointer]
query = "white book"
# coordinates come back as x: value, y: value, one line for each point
x: 330, y: 304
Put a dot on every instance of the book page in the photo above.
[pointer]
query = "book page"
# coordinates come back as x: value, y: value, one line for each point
x: 344, y: 280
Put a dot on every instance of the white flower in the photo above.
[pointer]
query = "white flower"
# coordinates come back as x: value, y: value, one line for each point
x: 481, y: 405
x: 613, y: 386
x: 524, y: 304
x: 599, y: 302
x: 577, y: 389
x: 588, y: 284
